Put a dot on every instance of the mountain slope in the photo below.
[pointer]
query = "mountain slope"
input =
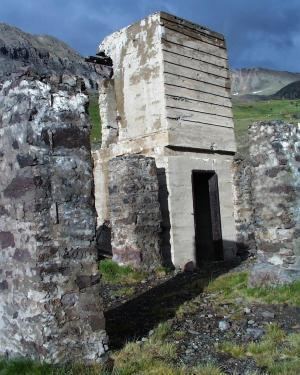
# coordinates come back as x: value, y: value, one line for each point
x: 45, y: 53
x: 258, y: 81
x: 291, y: 92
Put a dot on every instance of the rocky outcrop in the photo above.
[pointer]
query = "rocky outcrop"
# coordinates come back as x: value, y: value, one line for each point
x: 268, y: 201
x: 46, y: 54
x: 135, y: 211
x: 50, y: 308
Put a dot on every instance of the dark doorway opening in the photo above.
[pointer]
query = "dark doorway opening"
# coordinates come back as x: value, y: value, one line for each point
x: 207, y: 218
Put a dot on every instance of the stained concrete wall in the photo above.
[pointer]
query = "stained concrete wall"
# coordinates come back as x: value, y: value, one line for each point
x: 50, y: 305
x: 138, y: 75
x: 180, y: 169
x: 172, y: 103
x: 196, y: 86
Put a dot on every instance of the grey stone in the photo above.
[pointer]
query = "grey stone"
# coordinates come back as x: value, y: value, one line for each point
x: 192, y: 332
x: 6, y: 239
x: 266, y: 275
x: 268, y: 314
x: 189, y: 267
x: 255, y: 333
x: 224, y: 325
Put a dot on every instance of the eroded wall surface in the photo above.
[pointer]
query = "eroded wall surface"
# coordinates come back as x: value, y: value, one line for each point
x: 50, y: 307
x: 268, y: 201
x: 135, y: 211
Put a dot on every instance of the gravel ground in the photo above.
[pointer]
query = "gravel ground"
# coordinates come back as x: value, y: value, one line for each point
x: 196, y: 333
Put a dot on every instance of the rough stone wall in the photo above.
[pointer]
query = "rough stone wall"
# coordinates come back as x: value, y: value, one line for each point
x: 135, y: 211
x: 50, y: 308
x: 268, y: 200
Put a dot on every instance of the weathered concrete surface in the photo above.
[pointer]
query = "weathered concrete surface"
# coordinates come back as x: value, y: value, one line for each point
x: 268, y: 201
x: 50, y: 308
x: 172, y: 103
x: 136, y: 52
x: 180, y: 168
x: 135, y: 211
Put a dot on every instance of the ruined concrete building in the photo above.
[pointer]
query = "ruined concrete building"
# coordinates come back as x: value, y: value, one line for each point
x: 169, y: 99
x: 163, y: 179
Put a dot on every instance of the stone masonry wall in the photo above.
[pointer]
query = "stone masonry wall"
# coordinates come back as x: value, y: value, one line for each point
x: 50, y: 308
x: 268, y: 201
x: 135, y: 211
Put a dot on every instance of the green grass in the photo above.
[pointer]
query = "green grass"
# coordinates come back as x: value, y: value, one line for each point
x: 28, y: 367
x: 156, y: 356
x: 246, y: 113
x: 95, y: 119
x: 277, y: 352
x: 126, y: 291
x: 114, y: 274
x: 234, y: 285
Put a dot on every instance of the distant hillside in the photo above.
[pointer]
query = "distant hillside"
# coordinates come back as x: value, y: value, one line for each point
x: 257, y: 81
x: 291, y: 91
x: 45, y: 53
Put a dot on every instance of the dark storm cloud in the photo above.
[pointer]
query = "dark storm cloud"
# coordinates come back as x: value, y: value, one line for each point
x: 263, y: 33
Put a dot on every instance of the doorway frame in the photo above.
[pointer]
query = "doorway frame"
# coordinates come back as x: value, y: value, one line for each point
x: 219, y: 252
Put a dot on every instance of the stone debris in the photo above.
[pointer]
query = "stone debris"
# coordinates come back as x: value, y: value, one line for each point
x: 255, y: 333
x: 268, y: 314
x: 223, y: 325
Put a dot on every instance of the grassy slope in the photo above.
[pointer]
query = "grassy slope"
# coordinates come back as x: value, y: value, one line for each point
x: 277, y: 352
x: 95, y: 119
x: 246, y: 113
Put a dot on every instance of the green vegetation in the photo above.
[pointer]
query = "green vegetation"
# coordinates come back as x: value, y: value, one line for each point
x: 114, y: 274
x: 95, y: 119
x: 264, y: 110
x: 277, y: 352
x: 28, y: 367
x: 234, y: 285
x: 189, y: 307
x: 126, y: 291
x: 154, y: 356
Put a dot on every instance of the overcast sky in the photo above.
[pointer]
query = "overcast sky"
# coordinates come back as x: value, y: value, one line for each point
x: 259, y: 33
